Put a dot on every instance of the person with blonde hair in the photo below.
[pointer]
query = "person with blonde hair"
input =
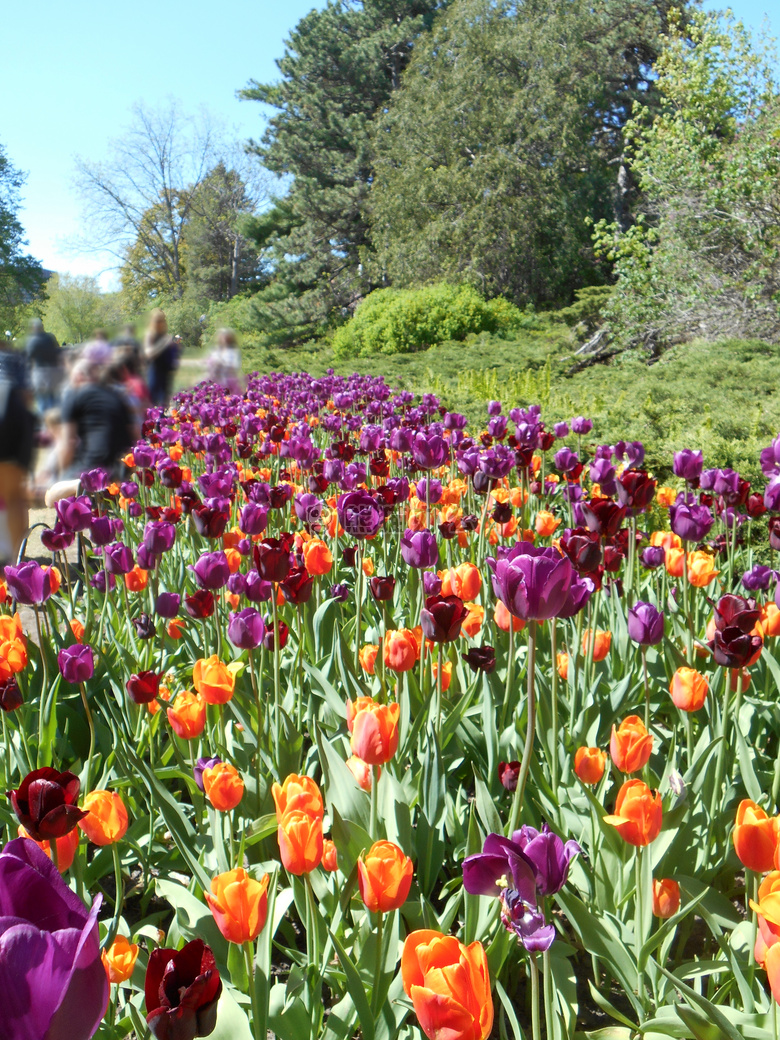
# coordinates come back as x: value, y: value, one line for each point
x: 224, y: 362
x: 161, y: 351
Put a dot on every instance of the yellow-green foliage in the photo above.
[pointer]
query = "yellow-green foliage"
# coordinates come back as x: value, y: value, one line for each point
x: 401, y: 321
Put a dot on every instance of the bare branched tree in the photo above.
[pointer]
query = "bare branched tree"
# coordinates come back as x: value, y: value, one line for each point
x: 136, y: 205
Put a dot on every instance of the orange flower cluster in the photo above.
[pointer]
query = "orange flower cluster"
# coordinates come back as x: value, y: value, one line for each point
x: 299, y: 812
x: 13, y: 646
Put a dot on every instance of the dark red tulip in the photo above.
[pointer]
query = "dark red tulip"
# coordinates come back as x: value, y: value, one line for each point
x: 755, y: 506
x: 733, y: 648
x: 182, y: 990
x: 603, y: 516
x: 583, y: 548
x: 733, y: 611
x: 442, y: 617
x: 45, y: 803
x: 269, y: 638
x: 273, y: 557
x: 297, y: 586
x: 143, y: 687
x: 508, y: 772
x: 382, y: 587
x: 10, y: 695
x: 210, y: 523
x: 200, y: 604
x: 613, y: 558
x: 448, y: 530
x: 480, y: 659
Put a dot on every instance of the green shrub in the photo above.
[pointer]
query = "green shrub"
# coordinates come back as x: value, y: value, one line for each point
x: 401, y: 321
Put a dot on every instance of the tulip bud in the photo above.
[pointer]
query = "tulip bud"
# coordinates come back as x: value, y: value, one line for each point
x: 666, y: 898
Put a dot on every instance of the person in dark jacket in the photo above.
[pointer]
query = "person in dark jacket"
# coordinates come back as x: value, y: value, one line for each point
x: 45, y: 360
x: 161, y: 352
x: 16, y: 448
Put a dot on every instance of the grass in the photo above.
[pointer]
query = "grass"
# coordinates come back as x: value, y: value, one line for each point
x: 721, y: 396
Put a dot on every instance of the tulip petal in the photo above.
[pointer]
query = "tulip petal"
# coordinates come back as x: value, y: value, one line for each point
x: 442, y: 1017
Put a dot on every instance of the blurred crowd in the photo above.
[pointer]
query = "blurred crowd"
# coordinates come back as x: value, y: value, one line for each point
x: 68, y: 409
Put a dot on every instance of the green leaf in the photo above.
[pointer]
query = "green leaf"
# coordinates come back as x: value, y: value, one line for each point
x: 356, y: 991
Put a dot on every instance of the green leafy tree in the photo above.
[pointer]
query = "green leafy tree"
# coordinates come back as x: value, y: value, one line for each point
x: 704, y: 259
x: 21, y: 276
x: 75, y: 307
x: 341, y: 65
x: 507, y: 132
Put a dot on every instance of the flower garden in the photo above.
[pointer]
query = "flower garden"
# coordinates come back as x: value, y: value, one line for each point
x: 337, y: 718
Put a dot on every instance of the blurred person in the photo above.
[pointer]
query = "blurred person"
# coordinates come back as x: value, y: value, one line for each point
x: 97, y: 425
x: 124, y: 374
x: 17, y: 428
x: 161, y: 351
x: 224, y: 362
x: 45, y: 360
x: 128, y: 340
x: 14, y: 369
x: 47, y: 471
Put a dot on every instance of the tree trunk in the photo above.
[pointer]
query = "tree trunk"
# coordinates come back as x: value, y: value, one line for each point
x: 234, y: 262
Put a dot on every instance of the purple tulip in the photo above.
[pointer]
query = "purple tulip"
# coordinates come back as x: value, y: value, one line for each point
x: 772, y: 495
x: 101, y: 530
x: 645, y: 624
x: 580, y: 591
x: 690, y: 521
x: 566, y: 460
x: 167, y: 604
x: 432, y: 584
x: 75, y: 514
x: 102, y: 580
x: 429, y: 490
x: 494, y: 408
x: 581, y: 425
x: 501, y: 859
x: 688, y: 465
x: 118, y: 558
x: 200, y: 765
x: 94, y: 480
x: 340, y: 592
x: 212, y: 570
x: 254, y: 519
x: 359, y: 514
x: 533, y: 583
x: 246, y: 629
x: 528, y: 924
x: 759, y: 578
x: 429, y: 451
x: 257, y: 589
x: 53, y: 985
x: 57, y: 539
x: 159, y: 536
x: 653, y: 556
x: 29, y: 583
x: 561, y: 429
x: 549, y: 856
x: 77, y: 663
x: 419, y: 548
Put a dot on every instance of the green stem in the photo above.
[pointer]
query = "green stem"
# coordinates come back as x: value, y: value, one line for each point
x: 525, y: 765
x: 249, y: 960
x: 548, y: 996
x: 647, y: 688
x: 536, y: 1027
x: 277, y: 693
x: 639, y: 923
x: 91, y: 724
x: 379, y: 964
x: 374, y: 801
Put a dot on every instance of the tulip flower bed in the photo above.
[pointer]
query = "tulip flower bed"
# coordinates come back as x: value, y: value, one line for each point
x: 349, y: 721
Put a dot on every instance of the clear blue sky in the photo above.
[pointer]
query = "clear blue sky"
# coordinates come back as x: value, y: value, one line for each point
x: 72, y: 70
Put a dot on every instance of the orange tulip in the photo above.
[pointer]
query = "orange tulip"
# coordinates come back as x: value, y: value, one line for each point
x: 400, y: 650
x: 546, y: 523
x: 631, y: 745
x: 768, y: 911
x: 13, y: 657
x: 77, y: 628
x: 770, y: 621
x: 473, y: 621
x: 674, y: 561
x: 449, y: 986
x: 689, y: 689
x: 367, y: 657
x: 223, y: 786
x: 300, y: 842
x: 175, y: 628
x: 11, y: 628
x: 755, y: 837
x: 187, y: 715
x: 701, y: 568
x: 562, y: 663
x: 464, y: 581
x: 666, y: 898
x: 214, y: 680
x: 119, y: 960
x: 665, y: 496
x: 375, y: 733
x: 638, y: 813
x: 66, y: 847
x: 446, y: 674
x: 106, y: 820
x: 667, y: 539
x: 239, y: 904
x: 300, y: 793
x: 330, y: 857
x: 361, y: 771
x: 317, y: 557
x: 353, y: 707
x: 384, y: 877
x: 601, y: 640
x: 137, y: 579
x: 589, y: 764
x: 368, y: 566
x: 503, y: 619
x: 55, y: 579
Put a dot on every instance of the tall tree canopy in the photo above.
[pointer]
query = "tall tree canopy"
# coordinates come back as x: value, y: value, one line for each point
x: 340, y: 67
x: 21, y: 276
x: 506, y: 135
